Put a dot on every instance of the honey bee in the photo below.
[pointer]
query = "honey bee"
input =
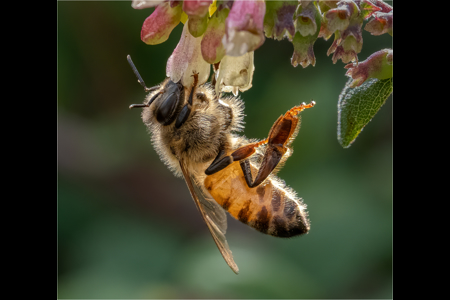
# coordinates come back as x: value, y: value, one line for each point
x: 193, y: 131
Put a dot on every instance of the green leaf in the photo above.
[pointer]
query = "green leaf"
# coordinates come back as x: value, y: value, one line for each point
x: 357, y: 106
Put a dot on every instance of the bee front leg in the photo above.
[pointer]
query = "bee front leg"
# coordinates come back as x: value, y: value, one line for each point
x: 280, y: 137
x: 186, y: 110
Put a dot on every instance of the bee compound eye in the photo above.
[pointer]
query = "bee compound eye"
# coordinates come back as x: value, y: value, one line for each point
x: 165, y: 113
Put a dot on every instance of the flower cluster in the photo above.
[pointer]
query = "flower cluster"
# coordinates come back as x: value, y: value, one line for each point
x: 226, y: 33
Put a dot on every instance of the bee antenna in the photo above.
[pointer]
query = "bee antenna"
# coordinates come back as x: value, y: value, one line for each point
x: 140, y: 80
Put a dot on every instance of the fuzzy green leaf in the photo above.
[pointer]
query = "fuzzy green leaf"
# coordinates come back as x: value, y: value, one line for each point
x: 357, y: 106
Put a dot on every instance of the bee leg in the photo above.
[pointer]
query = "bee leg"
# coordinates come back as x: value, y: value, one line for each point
x: 215, y: 166
x: 272, y: 157
x: 186, y: 111
x: 148, y: 103
x: 280, y: 137
x: 245, y: 166
x: 221, y: 162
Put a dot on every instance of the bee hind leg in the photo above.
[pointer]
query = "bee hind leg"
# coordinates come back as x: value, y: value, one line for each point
x: 222, y: 160
x: 280, y: 137
x: 272, y: 157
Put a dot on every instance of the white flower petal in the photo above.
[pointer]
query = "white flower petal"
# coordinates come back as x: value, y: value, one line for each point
x: 235, y: 73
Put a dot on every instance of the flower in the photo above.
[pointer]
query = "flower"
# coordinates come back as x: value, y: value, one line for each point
x: 381, y: 23
x: 235, y: 73
x: 378, y: 65
x: 158, y: 26
x: 384, y: 7
x: 339, y: 18
x: 244, y: 27
x: 187, y: 59
x: 367, y: 8
x: 278, y: 19
x: 349, y: 44
x: 306, y: 18
x: 212, y: 48
x: 345, y: 21
x: 307, y: 26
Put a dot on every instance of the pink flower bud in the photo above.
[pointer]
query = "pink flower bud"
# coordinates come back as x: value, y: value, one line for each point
x: 187, y: 59
x: 378, y: 65
x: 382, y: 5
x: 381, y: 23
x: 367, y: 9
x: 244, y: 27
x: 212, y: 47
x: 158, y: 26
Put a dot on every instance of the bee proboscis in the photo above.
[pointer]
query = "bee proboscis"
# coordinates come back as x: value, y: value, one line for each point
x: 193, y: 131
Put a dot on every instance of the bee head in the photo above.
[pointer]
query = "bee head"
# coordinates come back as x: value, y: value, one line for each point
x: 167, y: 102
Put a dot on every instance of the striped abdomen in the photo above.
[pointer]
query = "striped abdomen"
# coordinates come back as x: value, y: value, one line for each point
x: 269, y: 208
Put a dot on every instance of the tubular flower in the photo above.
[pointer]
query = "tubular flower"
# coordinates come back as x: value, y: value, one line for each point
x: 346, y: 21
x: 306, y: 18
x: 367, y: 9
x: 235, y: 73
x: 339, y: 18
x: 378, y: 65
x: 324, y: 32
x: 278, y: 20
x: 244, y: 27
x: 349, y: 44
x: 307, y: 27
x: 381, y: 23
x: 187, y: 59
x: 158, y: 26
x: 212, y: 47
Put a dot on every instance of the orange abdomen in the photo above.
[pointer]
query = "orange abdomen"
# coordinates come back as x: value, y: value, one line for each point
x: 270, y: 208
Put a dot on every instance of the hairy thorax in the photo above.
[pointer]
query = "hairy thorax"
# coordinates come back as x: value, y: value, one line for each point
x: 207, y: 129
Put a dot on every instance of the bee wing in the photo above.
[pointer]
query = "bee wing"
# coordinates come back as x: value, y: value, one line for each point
x: 214, y: 216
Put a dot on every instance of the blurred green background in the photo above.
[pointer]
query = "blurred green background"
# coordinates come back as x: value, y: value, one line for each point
x: 127, y: 228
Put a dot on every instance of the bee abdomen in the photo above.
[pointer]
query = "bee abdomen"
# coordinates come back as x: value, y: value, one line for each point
x: 281, y: 215
x: 270, y: 208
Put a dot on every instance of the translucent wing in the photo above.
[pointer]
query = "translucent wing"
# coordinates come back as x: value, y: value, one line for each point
x: 214, y: 216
